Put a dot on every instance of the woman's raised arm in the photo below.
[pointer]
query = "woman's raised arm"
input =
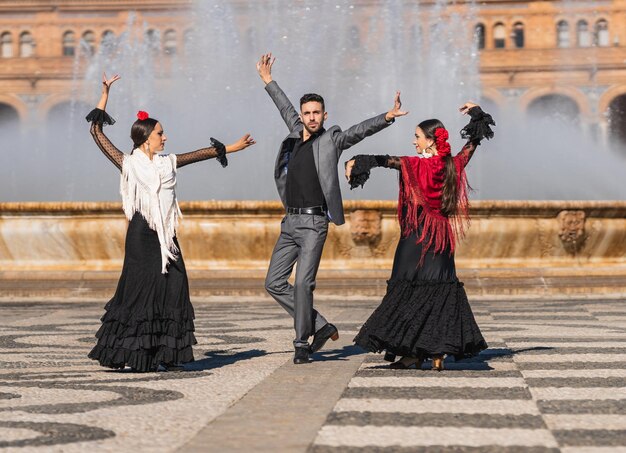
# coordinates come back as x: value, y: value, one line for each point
x: 98, y: 117
x: 475, y: 131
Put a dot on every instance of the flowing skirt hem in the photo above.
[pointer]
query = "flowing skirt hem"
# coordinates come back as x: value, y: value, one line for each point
x: 423, y: 319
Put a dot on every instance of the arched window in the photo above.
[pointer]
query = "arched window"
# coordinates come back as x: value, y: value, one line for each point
x: 169, y: 42
x: 27, y: 45
x: 499, y: 36
x: 152, y: 40
x: 108, y: 43
x: 89, y: 38
x: 518, y: 35
x: 601, y: 33
x: 582, y: 33
x: 562, y: 34
x: 69, y: 44
x: 479, y: 35
x: 6, y: 43
x: 108, y: 37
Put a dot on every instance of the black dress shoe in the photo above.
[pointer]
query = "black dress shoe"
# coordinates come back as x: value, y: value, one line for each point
x: 390, y: 357
x: 321, y: 337
x: 301, y: 355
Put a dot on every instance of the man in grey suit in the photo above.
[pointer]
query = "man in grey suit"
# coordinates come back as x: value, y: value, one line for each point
x: 308, y: 184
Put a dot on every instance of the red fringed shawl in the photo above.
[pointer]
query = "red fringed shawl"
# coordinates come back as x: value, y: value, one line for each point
x: 421, y: 186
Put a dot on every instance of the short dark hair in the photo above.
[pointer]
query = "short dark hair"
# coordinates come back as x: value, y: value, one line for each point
x: 312, y: 97
x: 141, y: 130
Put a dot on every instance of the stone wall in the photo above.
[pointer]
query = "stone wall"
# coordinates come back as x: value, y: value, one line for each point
x: 240, y: 235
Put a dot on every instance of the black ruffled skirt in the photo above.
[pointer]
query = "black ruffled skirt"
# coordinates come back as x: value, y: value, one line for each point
x: 425, y: 311
x: 149, y: 320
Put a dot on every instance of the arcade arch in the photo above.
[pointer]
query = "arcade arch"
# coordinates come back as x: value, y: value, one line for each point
x: 555, y: 106
x: 9, y: 116
x: 616, y: 115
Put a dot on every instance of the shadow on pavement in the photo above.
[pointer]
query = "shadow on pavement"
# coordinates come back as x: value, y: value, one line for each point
x: 337, y: 354
x: 218, y: 359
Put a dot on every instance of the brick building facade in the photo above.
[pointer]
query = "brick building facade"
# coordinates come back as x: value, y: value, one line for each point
x: 563, y: 57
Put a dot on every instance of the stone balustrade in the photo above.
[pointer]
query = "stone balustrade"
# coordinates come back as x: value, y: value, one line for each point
x: 240, y: 235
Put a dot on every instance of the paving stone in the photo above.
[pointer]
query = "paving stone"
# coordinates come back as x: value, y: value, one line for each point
x: 553, y: 379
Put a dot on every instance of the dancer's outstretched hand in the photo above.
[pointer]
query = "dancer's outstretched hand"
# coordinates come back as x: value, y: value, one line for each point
x: 264, y: 66
x: 106, y: 82
x: 465, y: 108
x: 396, y: 111
x: 349, y: 166
x: 243, y: 143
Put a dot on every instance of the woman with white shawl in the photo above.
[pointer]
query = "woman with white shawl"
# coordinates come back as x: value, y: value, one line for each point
x: 149, y: 321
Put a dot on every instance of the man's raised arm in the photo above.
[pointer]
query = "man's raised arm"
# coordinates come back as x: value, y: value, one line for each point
x: 286, y: 109
x: 358, y: 132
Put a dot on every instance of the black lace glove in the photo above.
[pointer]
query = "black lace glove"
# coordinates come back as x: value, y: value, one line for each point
x: 221, y: 152
x: 362, y: 166
x: 100, y: 117
x: 479, y: 126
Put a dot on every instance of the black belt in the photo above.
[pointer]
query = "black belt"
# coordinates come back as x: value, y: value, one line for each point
x: 316, y: 210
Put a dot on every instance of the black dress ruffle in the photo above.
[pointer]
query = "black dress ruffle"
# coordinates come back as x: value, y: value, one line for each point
x: 149, y: 320
x: 425, y: 311
x: 422, y: 319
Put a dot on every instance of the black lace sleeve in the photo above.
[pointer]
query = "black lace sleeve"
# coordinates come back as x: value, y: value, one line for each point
x: 363, y: 164
x: 98, y: 118
x: 479, y: 126
x: 217, y: 150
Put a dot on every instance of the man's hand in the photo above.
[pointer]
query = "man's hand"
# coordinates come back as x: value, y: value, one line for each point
x: 396, y: 110
x: 349, y: 166
x: 264, y: 66
x: 465, y: 108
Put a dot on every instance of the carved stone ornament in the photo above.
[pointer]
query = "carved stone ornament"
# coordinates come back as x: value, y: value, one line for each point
x: 365, y: 227
x: 572, y: 230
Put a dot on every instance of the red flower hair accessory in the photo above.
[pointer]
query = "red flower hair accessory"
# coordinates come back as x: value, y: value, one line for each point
x: 441, y: 141
x: 141, y: 115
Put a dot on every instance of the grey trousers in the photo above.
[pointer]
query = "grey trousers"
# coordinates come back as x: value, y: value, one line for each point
x: 301, y: 241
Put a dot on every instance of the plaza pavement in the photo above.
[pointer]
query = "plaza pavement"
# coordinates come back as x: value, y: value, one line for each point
x: 553, y: 379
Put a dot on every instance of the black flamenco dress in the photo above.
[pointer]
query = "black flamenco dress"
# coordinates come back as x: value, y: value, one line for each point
x: 425, y: 311
x: 149, y: 320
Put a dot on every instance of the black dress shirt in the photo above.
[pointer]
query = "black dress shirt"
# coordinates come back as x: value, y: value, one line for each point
x: 303, y: 184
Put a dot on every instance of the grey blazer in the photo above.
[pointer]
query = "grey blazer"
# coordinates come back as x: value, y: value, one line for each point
x: 327, y: 150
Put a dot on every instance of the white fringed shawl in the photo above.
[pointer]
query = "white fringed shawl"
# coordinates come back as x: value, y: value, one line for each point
x: 149, y: 187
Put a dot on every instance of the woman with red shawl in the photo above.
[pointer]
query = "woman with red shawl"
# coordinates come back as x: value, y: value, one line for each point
x: 425, y: 312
